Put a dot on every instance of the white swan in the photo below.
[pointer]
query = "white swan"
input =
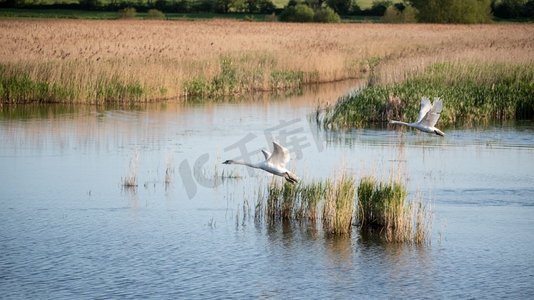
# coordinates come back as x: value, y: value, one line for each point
x: 274, y: 163
x: 428, y: 117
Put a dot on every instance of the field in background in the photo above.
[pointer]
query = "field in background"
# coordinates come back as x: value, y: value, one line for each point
x: 98, y: 61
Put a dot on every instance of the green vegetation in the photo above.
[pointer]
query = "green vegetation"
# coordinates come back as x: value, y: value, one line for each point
x: 20, y: 88
x: 453, y: 11
x: 339, y: 205
x: 310, y: 196
x: 57, y: 13
x: 111, y: 15
x: 232, y: 80
x: 302, y: 12
x: 428, y: 11
x: 472, y: 94
x: 301, y: 202
x: 297, y: 13
x: 155, y: 14
x: 326, y: 15
x: 127, y: 13
x: 394, y: 15
x: 16, y: 86
x: 383, y: 208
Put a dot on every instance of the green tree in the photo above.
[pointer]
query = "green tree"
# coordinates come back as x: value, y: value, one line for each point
x: 326, y: 15
x: 453, y: 11
x: 342, y: 7
x: 394, y: 15
x: 297, y: 13
x: 260, y: 6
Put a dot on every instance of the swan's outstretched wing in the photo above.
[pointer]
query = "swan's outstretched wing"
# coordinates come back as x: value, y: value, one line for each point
x: 280, y: 156
x: 266, y: 153
x: 425, y: 108
x: 431, y: 118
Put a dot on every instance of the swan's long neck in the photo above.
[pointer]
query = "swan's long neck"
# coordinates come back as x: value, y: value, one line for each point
x: 402, y: 123
x: 239, y: 162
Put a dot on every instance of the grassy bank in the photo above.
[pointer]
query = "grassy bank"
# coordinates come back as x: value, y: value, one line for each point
x: 472, y: 94
x: 110, y: 61
x: 56, y: 82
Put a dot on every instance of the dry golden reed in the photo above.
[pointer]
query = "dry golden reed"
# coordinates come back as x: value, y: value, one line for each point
x: 95, y: 61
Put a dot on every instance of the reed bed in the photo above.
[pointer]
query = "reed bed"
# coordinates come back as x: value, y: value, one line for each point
x: 103, y: 61
x: 301, y: 202
x: 383, y: 208
x: 376, y: 207
x: 472, y: 94
x: 338, y: 205
x: 310, y: 196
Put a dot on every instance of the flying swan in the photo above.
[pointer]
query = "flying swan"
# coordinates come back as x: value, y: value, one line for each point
x: 274, y: 163
x: 428, y: 117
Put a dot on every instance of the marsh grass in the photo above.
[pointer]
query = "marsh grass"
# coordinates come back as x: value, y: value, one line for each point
x: 302, y: 203
x: 17, y: 86
x: 104, y: 61
x: 273, y: 207
x: 423, y: 221
x: 383, y: 208
x: 310, y: 196
x: 335, y: 205
x: 472, y: 94
x: 339, y: 205
x: 289, y: 197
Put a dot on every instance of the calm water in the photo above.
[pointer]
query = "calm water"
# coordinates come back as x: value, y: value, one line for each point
x: 68, y: 229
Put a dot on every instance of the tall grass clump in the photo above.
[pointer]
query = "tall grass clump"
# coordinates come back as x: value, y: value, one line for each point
x: 384, y: 209
x: 310, y: 196
x: 289, y: 196
x: 423, y: 222
x: 471, y: 94
x: 380, y: 208
x: 273, y: 207
x: 339, y: 205
x: 301, y: 202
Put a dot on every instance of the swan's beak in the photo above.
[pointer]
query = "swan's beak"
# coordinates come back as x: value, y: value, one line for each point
x: 291, y: 179
x: 226, y: 162
x: 439, y: 132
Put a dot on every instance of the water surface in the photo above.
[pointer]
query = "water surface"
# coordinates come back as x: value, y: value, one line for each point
x: 69, y: 229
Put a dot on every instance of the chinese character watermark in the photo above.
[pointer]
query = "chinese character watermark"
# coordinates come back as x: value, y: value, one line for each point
x: 293, y: 134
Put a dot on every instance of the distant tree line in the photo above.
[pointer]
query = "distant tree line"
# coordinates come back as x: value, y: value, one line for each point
x: 340, y: 7
x: 431, y: 11
x: 513, y: 9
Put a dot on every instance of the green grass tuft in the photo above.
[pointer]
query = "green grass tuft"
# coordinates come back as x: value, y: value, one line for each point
x: 384, y: 209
